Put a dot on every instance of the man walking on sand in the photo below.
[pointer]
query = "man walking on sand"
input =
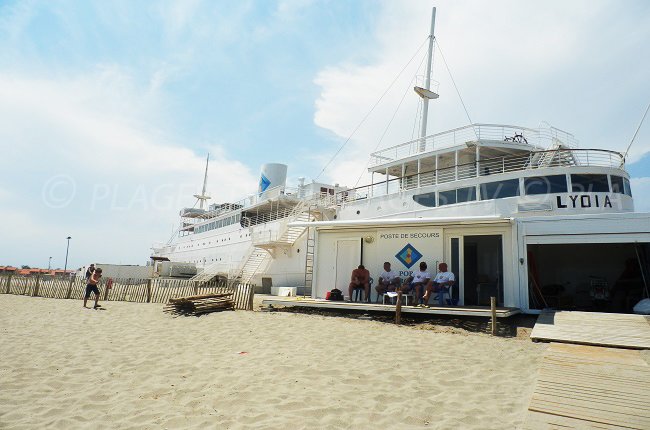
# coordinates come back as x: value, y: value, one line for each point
x: 92, y: 287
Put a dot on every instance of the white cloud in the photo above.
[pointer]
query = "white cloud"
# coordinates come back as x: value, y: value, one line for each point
x: 514, y: 63
x: 641, y: 193
x: 98, y: 134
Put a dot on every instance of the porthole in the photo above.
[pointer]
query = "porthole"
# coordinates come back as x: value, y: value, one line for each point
x: 358, y: 212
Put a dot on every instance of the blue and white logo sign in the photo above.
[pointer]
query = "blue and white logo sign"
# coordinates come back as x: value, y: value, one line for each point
x: 408, y: 256
x: 264, y: 183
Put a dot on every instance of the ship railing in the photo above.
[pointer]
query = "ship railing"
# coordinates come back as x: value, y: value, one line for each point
x: 488, y: 167
x: 246, y: 202
x: 318, y: 199
x: 266, y: 236
x: 543, y: 137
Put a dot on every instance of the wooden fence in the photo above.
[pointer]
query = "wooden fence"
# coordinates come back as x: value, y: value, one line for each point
x: 154, y: 290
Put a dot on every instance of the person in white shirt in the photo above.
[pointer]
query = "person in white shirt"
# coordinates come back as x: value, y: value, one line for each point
x: 417, y: 282
x: 444, y: 280
x: 388, y: 280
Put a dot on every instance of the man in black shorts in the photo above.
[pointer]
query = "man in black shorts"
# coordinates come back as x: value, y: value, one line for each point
x: 92, y: 287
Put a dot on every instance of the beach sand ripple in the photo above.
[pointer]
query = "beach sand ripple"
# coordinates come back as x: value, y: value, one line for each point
x: 132, y: 366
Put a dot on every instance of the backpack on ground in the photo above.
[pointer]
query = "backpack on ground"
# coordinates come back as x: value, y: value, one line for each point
x: 335, y: 295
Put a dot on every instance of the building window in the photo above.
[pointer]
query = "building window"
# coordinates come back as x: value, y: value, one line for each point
x: 500, y: 190
x: 426, y: 199
x: 628, y: 190
x: 617, y: 184
x: 545, y: 184
x: 447, y: 197
x: 466, y: 194
x: 589, y: 183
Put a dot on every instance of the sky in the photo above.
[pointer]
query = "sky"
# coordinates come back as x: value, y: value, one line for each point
x: 109, y: 109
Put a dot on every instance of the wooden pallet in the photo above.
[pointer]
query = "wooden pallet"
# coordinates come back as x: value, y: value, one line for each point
x: 588, y: 387
x: 593, y: 328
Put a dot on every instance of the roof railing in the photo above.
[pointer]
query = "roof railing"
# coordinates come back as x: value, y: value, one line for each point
x: 543, y: 137
x: 535, y: 160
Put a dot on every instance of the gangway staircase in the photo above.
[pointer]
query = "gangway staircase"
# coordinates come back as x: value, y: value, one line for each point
x: 208, y: 273
x: 557, y: 155
x: 263, y: 250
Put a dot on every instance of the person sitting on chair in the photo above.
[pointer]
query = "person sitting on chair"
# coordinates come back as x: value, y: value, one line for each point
x: 442, y: 282
x: 388, y: 280
x: 360, y: 279
x: 417, y: 281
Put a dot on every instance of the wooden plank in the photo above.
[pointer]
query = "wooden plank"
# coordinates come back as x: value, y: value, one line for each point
x: 591, y: 328
x: 434, y: 310
x: 590, y: 387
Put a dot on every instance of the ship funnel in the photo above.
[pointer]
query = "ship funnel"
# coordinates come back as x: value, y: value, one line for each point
x: 273, y: 175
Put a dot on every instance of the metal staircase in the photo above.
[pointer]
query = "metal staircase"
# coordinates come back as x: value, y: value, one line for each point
x: 558, y: 155
x: 255, y: 260
x: 262, y: 251
x: 291, y: 234
x: 209, y: 272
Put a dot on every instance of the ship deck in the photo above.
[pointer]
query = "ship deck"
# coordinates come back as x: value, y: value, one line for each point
x: 467, y: 311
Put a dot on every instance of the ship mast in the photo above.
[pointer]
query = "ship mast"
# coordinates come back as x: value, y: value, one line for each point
x: 203, y: 197
x: 426, y: 92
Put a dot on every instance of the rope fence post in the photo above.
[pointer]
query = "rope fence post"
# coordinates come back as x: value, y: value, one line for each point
x: 9, y: 283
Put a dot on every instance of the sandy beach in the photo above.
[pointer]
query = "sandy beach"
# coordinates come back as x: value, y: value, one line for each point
x: 133, y: 366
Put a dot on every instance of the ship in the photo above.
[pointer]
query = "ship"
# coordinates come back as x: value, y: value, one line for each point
x: 527, y: 215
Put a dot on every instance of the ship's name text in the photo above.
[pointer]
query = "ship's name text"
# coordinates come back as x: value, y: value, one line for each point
x: 583, y: 201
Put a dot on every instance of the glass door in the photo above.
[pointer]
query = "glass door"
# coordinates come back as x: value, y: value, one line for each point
x: 482, y: 269
x: 454, y: 261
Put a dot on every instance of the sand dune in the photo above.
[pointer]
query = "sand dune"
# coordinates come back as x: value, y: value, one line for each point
x: 132, y: 366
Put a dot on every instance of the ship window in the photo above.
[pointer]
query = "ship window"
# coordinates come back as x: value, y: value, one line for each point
x: 617, y: 184
x: 426, y: 199
x: 500, y: 190
x: 628, y: 190
x: 447, y: 197
x: 545, y: 184
x: 466, y: 194
x: 589, y: 183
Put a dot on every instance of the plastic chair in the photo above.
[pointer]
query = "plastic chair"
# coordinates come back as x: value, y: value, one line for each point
x: 357, y: 292
x: 440, y: 295
x: 405, y: 296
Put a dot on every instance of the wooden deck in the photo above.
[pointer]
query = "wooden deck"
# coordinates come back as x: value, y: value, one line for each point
x: 477, y: 311
x: 588, y: 387
x: 591, y: 328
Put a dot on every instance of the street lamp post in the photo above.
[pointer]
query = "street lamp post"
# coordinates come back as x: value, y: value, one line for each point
x: 49, y: 264
x: 66, y: 255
